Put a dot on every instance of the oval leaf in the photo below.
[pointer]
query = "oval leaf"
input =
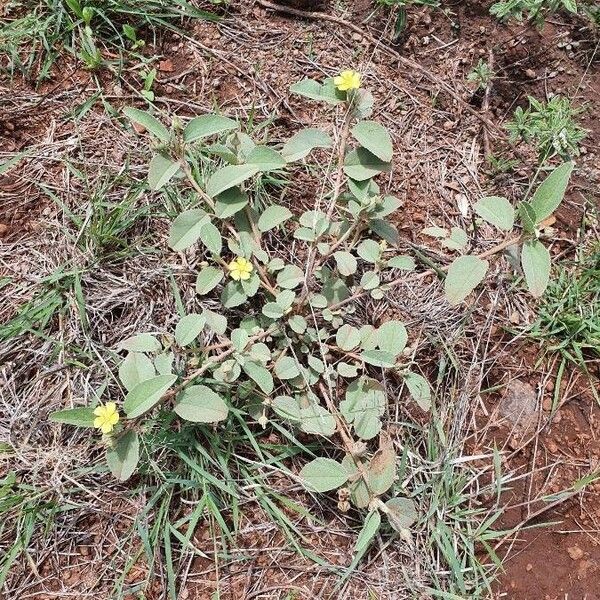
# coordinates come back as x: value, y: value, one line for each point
x: 189, y: 328
x: 186, y: 228
x: 207, y: 125
x: 229, y: 177
x: 496, y: 210
x: 199, y: 404
x: 551, y: 191
x: 146, y: 394
x: 323, y: 475
x: 536, y: 262
x: 79, y: 417
x: 464, y: 275
x: 123, y: 458
x: 148, y: 122
x: 375, y: 138
x: 135, y: 368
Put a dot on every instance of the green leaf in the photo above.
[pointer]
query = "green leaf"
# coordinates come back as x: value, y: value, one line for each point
x: 382, y: 467
x: 368, y: 532
x: 298, y: 324
x: 369, y: 280
x: 323, y: 475
x: 369, y: 250
x: 200, y: 404
x: 123, y: 458
x: 146, y: 394
x: 314, y: 90
x: 239, y: 339
x: 401, y: 513
x: 360, y: 164
x: 551, y: 191
x: 230, y: 202
x: 189, y: 328
x: 375, y: 138
x: 303, y: 142
x: 207, y: 125
x: 346, y: 263
x: 379, y: 358
x: 287, y: 408
x: 347, y: 337
x: 233, y: 295
x: 79, y: 417
x: 496, y: 210
x: 536, y: 263
x: 148, y: 122
x: 457, y: 240
x: 135, y: 368
x: 317, y: 420
x: 273, y: 216
x: 419, y: 389
x: 403, y: 262
x: 290, y: 277
x: 392, y: 337
x: 142, y: 342
x: 385, y: 230
x: 160, y: 171
x: 216, y: 322
x: 164, y: 363
x: 464, y: 275
x: 187, y: 228
x: 210, y: 236
x: 208, y: 279
x: 528, y: 216
x: 266, y: 159
x: 229, y: 177
x: 260, y: 375
x: 286, y: 368
x: 272, y: 310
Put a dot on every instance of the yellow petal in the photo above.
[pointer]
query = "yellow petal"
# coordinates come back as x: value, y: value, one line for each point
x: 98, y: 422
x: 244, y: 275
x: 235, y: 274
x: 111, y: 407
x: 107, y: 428
x: 113, y: 419
x: 99, y: 410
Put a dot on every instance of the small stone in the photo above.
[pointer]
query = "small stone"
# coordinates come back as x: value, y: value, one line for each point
x: 547, y: 404
x: 575, y: 552
x: 531, y: 73
x: 519, y: 402
x: 166, y: 66
x: 357, y: 37
x: 448, y: 126
x: 529, y: 567
x: 3, y: 229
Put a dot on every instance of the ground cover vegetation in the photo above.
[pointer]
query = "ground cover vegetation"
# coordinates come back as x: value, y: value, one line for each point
x: 216, y: 344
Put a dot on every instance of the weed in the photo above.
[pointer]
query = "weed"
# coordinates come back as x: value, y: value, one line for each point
x: 532, y: 10
x: 569, y: 316
x: 551, y: 126
x: 400, y: 7
x: 481, y: 75
x: 35, y: 31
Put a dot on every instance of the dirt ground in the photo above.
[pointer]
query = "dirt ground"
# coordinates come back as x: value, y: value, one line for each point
x: 251, y: 58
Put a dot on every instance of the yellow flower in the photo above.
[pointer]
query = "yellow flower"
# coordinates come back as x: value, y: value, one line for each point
x: 240, y: 268
x: 347, y: 80
x: 107, y: 416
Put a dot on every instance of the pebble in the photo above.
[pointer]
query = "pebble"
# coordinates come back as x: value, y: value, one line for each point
x: 575, y: 552
x: 531, y: 73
